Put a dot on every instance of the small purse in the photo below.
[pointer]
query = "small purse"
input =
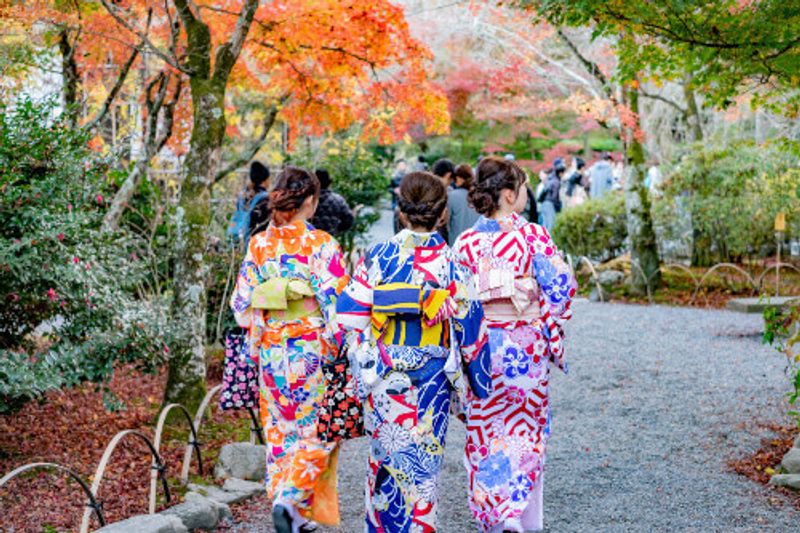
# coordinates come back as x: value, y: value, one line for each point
x: 239, y: 374
x: 341, y: 415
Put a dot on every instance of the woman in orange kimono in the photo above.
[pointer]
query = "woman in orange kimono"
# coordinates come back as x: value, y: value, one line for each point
x: 286, y: 296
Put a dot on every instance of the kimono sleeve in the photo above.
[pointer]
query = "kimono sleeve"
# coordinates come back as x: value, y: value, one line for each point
x: 557, y: 287
x: 328, y: 280
x: 470, y: 328
x: 553, y: 275
x: 354, y: 307
x: 471, y: 334
x: 247, y: 280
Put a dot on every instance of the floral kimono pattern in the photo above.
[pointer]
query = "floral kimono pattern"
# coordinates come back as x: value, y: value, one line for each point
x: 289, y: 347
x: 406, y: 300
x: 526, y: 289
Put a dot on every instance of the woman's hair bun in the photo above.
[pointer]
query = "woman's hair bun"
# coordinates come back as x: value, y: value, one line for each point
x: 493, y: 175
x: 292, y: 186
x: 422, y: 199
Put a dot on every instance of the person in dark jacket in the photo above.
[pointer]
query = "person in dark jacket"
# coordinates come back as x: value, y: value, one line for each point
x: 333, y: 215
x: 260, y: 212
x: 550, y: 197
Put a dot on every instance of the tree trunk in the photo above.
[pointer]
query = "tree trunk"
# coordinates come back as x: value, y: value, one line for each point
x: 644, y: 250
x: 187, y: 369
x: 700, y: 255
x: 693, y: 118
x: 70, y: 78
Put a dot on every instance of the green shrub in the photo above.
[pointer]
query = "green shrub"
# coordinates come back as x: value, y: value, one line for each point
x: 733, y: 194
x: 595, y: 228
x: 356, y: 174
x: 70, y: 306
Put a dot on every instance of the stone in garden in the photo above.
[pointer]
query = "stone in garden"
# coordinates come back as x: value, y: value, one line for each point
x: 199, y: 512
x: 797, y: 441
x: 791, y: 461
x: 609, y: 278
x: 241, y: 460
x: 251, y: 488
x: 786, y: 480
x: 595, y: 295
x: 217, y: 494
x: 148, y: 523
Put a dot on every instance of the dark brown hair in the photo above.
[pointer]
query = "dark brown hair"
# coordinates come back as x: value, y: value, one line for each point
x: 464, y: 171
x: 493, y: 175
x: 422, y: 199
x: 292, y: 186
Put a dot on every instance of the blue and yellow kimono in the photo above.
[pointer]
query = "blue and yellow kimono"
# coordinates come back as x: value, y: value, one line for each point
x: 412, y: 320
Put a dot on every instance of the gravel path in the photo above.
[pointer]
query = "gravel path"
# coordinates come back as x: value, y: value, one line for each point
x: 658, y: 399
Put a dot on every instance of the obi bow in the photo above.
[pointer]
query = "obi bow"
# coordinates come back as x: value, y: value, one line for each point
x: 434, y: 305
x: 502, y: 284
x: 276, y: 293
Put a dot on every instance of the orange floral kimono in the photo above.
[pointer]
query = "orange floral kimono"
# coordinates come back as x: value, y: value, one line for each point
x: 289, y: 341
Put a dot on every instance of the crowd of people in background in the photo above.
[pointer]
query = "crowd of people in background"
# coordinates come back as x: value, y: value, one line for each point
x: 560, y: 187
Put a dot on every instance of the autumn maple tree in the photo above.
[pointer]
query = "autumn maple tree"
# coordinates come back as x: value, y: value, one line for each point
x: 318, y: 66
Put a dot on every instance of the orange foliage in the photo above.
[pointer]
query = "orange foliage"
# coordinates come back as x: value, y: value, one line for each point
x: 333, y: 63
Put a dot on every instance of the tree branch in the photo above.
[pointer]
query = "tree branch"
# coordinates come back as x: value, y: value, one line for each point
x: 112, y: 95
x: 667, y: 101
x: 251, y: 151
x: 590, y: 66
x: 171, y: 61
x: 228, y: 53
x: 153, y: 109
x: 169, y: 116
x: 185, y: 12
x: 153, y: 143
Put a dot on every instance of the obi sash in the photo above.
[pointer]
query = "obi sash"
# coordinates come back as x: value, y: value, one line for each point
x: 285, y: 298
x: 392, y: 303
x: 397, y: 299
x: 498, y: 285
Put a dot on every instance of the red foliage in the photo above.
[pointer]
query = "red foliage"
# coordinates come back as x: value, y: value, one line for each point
x: 72, y: 428
x: 769, y: 456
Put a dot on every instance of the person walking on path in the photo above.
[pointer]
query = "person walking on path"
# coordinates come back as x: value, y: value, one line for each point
x: 259, y: 210
x: 526, y: 290
x: 575, y: 193
x: 550, y: 197
x: 401, y: 168
x: 333, y: 215
x: 411, y: 321
x: 252, y: 206
x: 285, y: 297
x: 444, y: 168
x: 601, y: 176
x: 461, y: 214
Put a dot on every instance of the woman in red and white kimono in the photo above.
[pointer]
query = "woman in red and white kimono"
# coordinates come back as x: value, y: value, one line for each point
x: 526, y: 289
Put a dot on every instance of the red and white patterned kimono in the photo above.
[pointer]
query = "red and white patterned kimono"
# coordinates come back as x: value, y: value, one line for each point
x: 526, y: 289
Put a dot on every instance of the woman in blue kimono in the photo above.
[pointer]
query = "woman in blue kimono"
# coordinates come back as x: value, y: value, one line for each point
x: 411, y: 319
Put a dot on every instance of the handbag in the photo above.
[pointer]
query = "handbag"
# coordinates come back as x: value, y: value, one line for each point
x: 341, y: 414
x: 239, y: 374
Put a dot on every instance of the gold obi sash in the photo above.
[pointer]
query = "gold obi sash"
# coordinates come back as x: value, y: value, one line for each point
x: 433, y: 306
x: 286, y: 299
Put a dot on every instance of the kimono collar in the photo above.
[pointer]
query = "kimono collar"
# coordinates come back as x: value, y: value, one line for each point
x: 410, y: 240
x: 292, y: 230
x: 507, y: 223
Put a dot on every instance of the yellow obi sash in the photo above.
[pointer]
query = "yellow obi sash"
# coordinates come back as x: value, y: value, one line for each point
x: 394, y: 299
x: 286, y: 299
